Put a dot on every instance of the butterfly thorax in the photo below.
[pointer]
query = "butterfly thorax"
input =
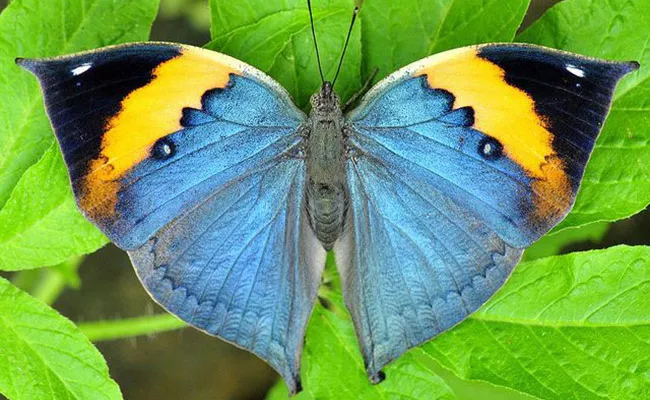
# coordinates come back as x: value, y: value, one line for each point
x: 327, y: 193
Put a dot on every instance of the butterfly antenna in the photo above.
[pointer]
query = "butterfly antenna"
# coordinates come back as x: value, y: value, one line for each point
x: 313, y: 33
x: 345, y: 46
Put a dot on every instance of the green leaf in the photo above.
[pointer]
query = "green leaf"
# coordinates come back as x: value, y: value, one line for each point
x: 279, y: 392
x: 44, y: 356
x: 572, y: 326
x: 275, y: 36
x: 36, y: 28
x: 554, y: 242
x: 617, y: 180
x: 34, y: 220
x: 465, y: 389
x: 396, y: 33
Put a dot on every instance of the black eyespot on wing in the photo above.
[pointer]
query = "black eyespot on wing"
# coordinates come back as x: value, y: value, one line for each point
x: 490, y: 149
x: 82, y: 92
x: 163, y: 149
x: 572, y: 94
x: 231, y: 81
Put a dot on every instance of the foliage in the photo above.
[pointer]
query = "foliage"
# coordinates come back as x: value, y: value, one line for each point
x: 43, y: 355
x: 562, y: 327
x: 571, y: 326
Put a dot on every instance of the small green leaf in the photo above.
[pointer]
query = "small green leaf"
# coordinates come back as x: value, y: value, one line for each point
x: 34, y: 220
x: 617, y: 180
x: 396, y: 33
x: 279, y: 392
x: 45, y: 356
x: 572, y: 326
x: 465, y: 389
x: 275, y: 36
x: 36, y: 28
x: 552, y: 244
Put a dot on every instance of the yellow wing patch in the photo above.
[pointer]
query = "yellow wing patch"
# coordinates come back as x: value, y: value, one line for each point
x: 507, y: 114
x: 146, y: 115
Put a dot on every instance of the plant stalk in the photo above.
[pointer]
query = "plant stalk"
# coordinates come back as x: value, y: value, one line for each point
x: 98, y: 331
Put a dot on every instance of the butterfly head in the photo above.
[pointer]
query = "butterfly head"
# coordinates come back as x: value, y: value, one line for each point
x: 325, y: 100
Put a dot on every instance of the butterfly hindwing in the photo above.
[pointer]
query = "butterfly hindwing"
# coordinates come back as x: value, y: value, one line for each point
x: 243, y: 264
x: 188, y: 159
x: 458, y: 162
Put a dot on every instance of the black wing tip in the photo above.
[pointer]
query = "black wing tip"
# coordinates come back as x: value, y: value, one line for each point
x: 500, y: 51
x: 27, y: 63
x: 32, y: 65
x: 630, y: 66
x: 619, y: 69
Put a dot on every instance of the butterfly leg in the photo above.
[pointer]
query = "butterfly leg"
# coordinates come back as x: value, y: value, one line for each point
x: 359, y: 94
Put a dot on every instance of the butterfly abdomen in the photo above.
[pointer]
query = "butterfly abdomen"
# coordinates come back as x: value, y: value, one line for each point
x: 326, y: 208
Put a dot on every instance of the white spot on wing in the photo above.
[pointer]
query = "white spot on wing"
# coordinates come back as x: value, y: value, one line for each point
x: 81, y: 69
x: 579, y: 72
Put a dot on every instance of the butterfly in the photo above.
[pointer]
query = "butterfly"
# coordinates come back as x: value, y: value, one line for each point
x: 227, y: 197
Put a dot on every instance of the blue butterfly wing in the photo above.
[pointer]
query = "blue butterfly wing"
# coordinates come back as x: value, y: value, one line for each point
x: 457, y: 163
x: 243, y: 265
x: 190, y: 160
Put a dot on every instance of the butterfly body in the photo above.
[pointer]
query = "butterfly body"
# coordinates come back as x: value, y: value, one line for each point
x: 226, y: 196
x: 326, y: 189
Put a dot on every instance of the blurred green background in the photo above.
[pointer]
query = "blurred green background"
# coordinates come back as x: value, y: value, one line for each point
x: 188, y: 364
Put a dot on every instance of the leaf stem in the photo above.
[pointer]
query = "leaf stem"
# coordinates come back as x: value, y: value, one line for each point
x: 47, y: 284
x: 49, y: 287
x: 124, y: 328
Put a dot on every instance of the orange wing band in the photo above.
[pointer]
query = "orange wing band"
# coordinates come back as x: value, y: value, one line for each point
x: 507, y: 114
x: 146, y: 115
